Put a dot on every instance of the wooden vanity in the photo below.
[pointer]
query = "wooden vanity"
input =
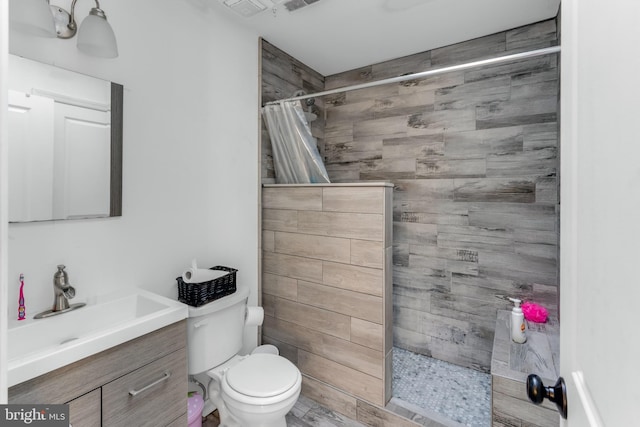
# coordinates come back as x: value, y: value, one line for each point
x: 142, y: 382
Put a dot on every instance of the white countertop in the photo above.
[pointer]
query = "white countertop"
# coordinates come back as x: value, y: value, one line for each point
x: 38, y: 346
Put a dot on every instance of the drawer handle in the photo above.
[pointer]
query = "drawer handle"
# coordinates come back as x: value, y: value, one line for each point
x: 165, y: 377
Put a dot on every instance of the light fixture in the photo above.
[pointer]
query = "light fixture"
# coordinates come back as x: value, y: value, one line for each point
x: 95, y: 35
x: 32, y: 17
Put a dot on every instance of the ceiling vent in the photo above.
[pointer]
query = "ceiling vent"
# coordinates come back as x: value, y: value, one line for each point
x: 292, y: 5
x: 248, y: 8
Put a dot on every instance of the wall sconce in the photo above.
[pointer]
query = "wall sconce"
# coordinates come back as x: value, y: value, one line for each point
x: 38, y: 17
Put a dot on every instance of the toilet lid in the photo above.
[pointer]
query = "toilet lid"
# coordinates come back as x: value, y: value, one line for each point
x: 262, y: 375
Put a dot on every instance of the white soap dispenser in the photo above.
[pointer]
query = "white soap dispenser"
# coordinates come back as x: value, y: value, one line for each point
x: 518, y: 326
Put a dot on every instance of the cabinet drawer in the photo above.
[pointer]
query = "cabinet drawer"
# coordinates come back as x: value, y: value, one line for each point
x: 85, y: 410
x: 160, y: 394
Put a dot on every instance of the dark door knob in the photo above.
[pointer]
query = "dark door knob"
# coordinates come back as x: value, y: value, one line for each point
x: 557, y: 394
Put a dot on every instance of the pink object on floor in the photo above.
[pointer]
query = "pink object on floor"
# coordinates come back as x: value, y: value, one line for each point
x: 195, y: 404
x: 534, y: 312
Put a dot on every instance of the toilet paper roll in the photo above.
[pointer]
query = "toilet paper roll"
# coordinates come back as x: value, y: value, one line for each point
x: 188, y: 274
x: 199, y: 275
x: 254, y: 317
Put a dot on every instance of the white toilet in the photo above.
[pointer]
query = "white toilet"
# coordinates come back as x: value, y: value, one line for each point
x: 256, y: 390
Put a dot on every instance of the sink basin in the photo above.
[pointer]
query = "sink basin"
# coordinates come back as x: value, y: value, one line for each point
x: 39, y: 346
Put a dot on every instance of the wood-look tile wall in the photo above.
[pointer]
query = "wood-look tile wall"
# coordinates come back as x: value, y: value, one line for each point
x: 282, y: 76
x: 326, y: 284
x: 474, y: 159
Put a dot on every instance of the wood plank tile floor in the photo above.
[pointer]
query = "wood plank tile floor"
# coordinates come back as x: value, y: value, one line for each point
x: 305, y: 413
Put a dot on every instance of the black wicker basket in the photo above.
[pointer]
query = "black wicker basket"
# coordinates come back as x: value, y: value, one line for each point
x: 197, y: 294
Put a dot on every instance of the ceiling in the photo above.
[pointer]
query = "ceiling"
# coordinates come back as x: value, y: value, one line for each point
x: 332, y: 36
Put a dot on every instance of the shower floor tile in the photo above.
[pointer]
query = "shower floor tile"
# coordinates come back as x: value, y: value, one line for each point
x: 459, y: 394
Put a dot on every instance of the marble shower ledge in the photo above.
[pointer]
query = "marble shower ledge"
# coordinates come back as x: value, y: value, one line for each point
x: 337, y: 184
x: 510, y: 365
x: 539, y: 355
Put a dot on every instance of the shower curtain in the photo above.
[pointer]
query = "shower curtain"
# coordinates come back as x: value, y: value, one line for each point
x: 295, y: 155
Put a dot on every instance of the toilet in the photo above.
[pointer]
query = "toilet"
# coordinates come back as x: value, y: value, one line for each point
x: 255, y: 390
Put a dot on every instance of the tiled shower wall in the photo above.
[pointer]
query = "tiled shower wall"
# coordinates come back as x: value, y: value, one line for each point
x: 474, y: 159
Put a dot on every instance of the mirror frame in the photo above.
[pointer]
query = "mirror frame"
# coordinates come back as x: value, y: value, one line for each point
x: 117, y: 101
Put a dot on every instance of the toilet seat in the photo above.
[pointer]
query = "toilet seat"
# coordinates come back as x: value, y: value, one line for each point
x: 261, y: 379
x: 262, y: 375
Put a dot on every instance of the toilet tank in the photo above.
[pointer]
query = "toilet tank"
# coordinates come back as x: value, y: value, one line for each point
x: 215, y: 331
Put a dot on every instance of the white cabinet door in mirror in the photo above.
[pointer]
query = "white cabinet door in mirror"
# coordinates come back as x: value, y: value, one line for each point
x: 31, y: 131
x: 81, y: 162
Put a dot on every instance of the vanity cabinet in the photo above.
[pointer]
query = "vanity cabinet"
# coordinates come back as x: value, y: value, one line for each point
x: 142, y: 382
x: 85, y: 411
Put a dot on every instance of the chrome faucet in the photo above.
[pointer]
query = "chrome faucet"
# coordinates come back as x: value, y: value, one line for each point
x: 62, y: 289
x: 62, y: 293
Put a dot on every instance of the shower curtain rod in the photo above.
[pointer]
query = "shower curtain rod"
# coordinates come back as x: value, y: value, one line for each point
x: 428, y: 73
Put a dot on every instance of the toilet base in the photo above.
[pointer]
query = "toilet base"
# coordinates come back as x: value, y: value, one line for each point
x: 277, y: 418
x: 278, y: 423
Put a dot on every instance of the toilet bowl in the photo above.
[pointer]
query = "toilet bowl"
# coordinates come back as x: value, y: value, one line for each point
x: 255, y: 390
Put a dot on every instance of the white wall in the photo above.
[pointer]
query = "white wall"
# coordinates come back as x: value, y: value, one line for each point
x: 190, y: 157
x: 4, y: 47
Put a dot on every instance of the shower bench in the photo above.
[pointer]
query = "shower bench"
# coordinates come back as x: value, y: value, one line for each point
x: 511, y: 363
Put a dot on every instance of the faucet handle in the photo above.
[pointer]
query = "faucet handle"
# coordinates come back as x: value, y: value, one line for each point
x: 70, y: 292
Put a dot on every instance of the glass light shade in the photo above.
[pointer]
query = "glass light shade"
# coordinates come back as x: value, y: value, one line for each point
x: 96, y: 37
x: 32, y: 17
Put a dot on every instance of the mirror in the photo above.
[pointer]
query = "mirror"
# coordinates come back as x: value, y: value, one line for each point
x: 65, y: 144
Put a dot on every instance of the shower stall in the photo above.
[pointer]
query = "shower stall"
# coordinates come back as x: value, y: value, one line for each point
x: 470, y: 144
